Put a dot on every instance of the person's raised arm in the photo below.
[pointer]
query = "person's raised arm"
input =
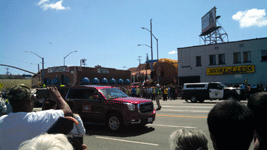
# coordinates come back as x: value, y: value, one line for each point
x: 61, y: 103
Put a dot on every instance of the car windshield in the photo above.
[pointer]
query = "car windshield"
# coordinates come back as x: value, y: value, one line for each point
x: 110, y: 93
x: 223, y: 85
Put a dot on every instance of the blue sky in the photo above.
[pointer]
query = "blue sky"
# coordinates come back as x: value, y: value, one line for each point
x: 107, y: 32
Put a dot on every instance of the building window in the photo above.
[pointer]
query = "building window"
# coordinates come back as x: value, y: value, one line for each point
x: 237, y: 58
x: 264, y: 55
x: 198, y: 60
x: 221, y: 59
x: 212, y: 59
x: 247, y: 57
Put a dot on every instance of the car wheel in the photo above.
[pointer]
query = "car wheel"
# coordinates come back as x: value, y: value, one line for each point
x: 201, y: 100
x: 114, y: 122
x: 193, y: 99
x: 231, y: 98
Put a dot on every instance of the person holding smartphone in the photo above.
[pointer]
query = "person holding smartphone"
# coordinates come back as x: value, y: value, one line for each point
x: 23, y: 124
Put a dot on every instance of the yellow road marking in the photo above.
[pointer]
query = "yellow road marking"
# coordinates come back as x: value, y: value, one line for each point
x: 181, y: 116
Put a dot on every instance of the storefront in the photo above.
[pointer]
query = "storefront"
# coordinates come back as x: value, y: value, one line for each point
x: 76, y: 75
x: 232, y: 63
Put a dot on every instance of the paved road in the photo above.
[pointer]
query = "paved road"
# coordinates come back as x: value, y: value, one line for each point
x: 174, y: 115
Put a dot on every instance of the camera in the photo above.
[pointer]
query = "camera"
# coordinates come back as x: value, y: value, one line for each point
x: 76, y: 141
x: 42, y: 93
x: 64, y: 126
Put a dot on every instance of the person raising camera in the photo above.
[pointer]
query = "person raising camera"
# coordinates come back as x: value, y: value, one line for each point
x: 23, y: 124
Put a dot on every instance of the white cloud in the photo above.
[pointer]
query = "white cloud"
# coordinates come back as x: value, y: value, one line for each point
x: 251, y: 17
x: 42, y: 1
x: 172, y: 52
x: 45, y: 4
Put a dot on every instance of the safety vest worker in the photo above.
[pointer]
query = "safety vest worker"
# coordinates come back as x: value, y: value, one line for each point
x: 158, y: 91
x: 137, y: 91
x: 153, y: 90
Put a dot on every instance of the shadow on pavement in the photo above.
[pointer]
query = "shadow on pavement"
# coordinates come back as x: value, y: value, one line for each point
x: 205, y: 102
x: 211, y: 102
x: 95, y: 129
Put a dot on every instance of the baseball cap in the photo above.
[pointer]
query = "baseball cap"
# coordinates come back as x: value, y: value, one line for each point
x: 20, y: 93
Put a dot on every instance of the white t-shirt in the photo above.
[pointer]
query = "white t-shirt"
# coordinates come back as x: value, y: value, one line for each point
x: 18, y: 127
x: 78, y: 129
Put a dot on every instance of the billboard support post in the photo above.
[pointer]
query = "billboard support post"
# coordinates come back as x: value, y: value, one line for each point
x: 211, y: 33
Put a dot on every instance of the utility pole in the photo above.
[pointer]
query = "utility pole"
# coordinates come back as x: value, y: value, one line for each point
x: 146, y: 65
x: 139, y: 66
x: 151, y: 44
x: 7, y: 71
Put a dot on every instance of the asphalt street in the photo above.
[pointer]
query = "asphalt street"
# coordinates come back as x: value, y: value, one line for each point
x: 174, y: 115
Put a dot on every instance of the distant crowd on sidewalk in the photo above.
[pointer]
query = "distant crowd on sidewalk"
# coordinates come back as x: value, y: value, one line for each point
x: 149, y: 92
x: 252, y: 89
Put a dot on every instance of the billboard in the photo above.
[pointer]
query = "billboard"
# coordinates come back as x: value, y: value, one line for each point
x: 231, y: 70
x: 208, y: 21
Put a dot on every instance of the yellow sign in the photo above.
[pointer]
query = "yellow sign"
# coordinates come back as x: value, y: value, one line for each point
x: 231, y: 70
x: 1, y: 85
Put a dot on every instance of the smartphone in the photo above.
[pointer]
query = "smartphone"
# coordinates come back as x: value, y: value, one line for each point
x: 62, y: 125
x: 42, y: 93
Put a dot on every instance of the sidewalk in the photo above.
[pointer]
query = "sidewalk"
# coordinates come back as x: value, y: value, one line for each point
x: 178, y: 98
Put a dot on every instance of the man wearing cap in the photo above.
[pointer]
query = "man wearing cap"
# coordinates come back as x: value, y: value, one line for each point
x: 23, y: 124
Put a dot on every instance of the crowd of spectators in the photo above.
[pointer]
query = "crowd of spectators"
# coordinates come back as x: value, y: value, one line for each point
x: 232, y: 125
x: 22, y: 124
x: 169, y: 92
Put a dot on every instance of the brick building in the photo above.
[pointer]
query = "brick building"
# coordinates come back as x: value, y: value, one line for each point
x: 76, y: 75
x: 140, y: 73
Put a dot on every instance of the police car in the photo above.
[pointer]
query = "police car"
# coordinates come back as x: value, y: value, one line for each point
x: 211, y: 90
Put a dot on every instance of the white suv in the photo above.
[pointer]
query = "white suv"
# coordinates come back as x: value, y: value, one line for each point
x: 211, y: 90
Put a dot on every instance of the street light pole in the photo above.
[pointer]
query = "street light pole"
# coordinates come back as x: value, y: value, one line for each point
x: 68, y: 55
x: 144, y: 45
x: 147, y: 58
x: 158, y: 60
x: 63, y: 82
x: 139, y: 67
x: 42, y: 76
x: 151, y: 46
